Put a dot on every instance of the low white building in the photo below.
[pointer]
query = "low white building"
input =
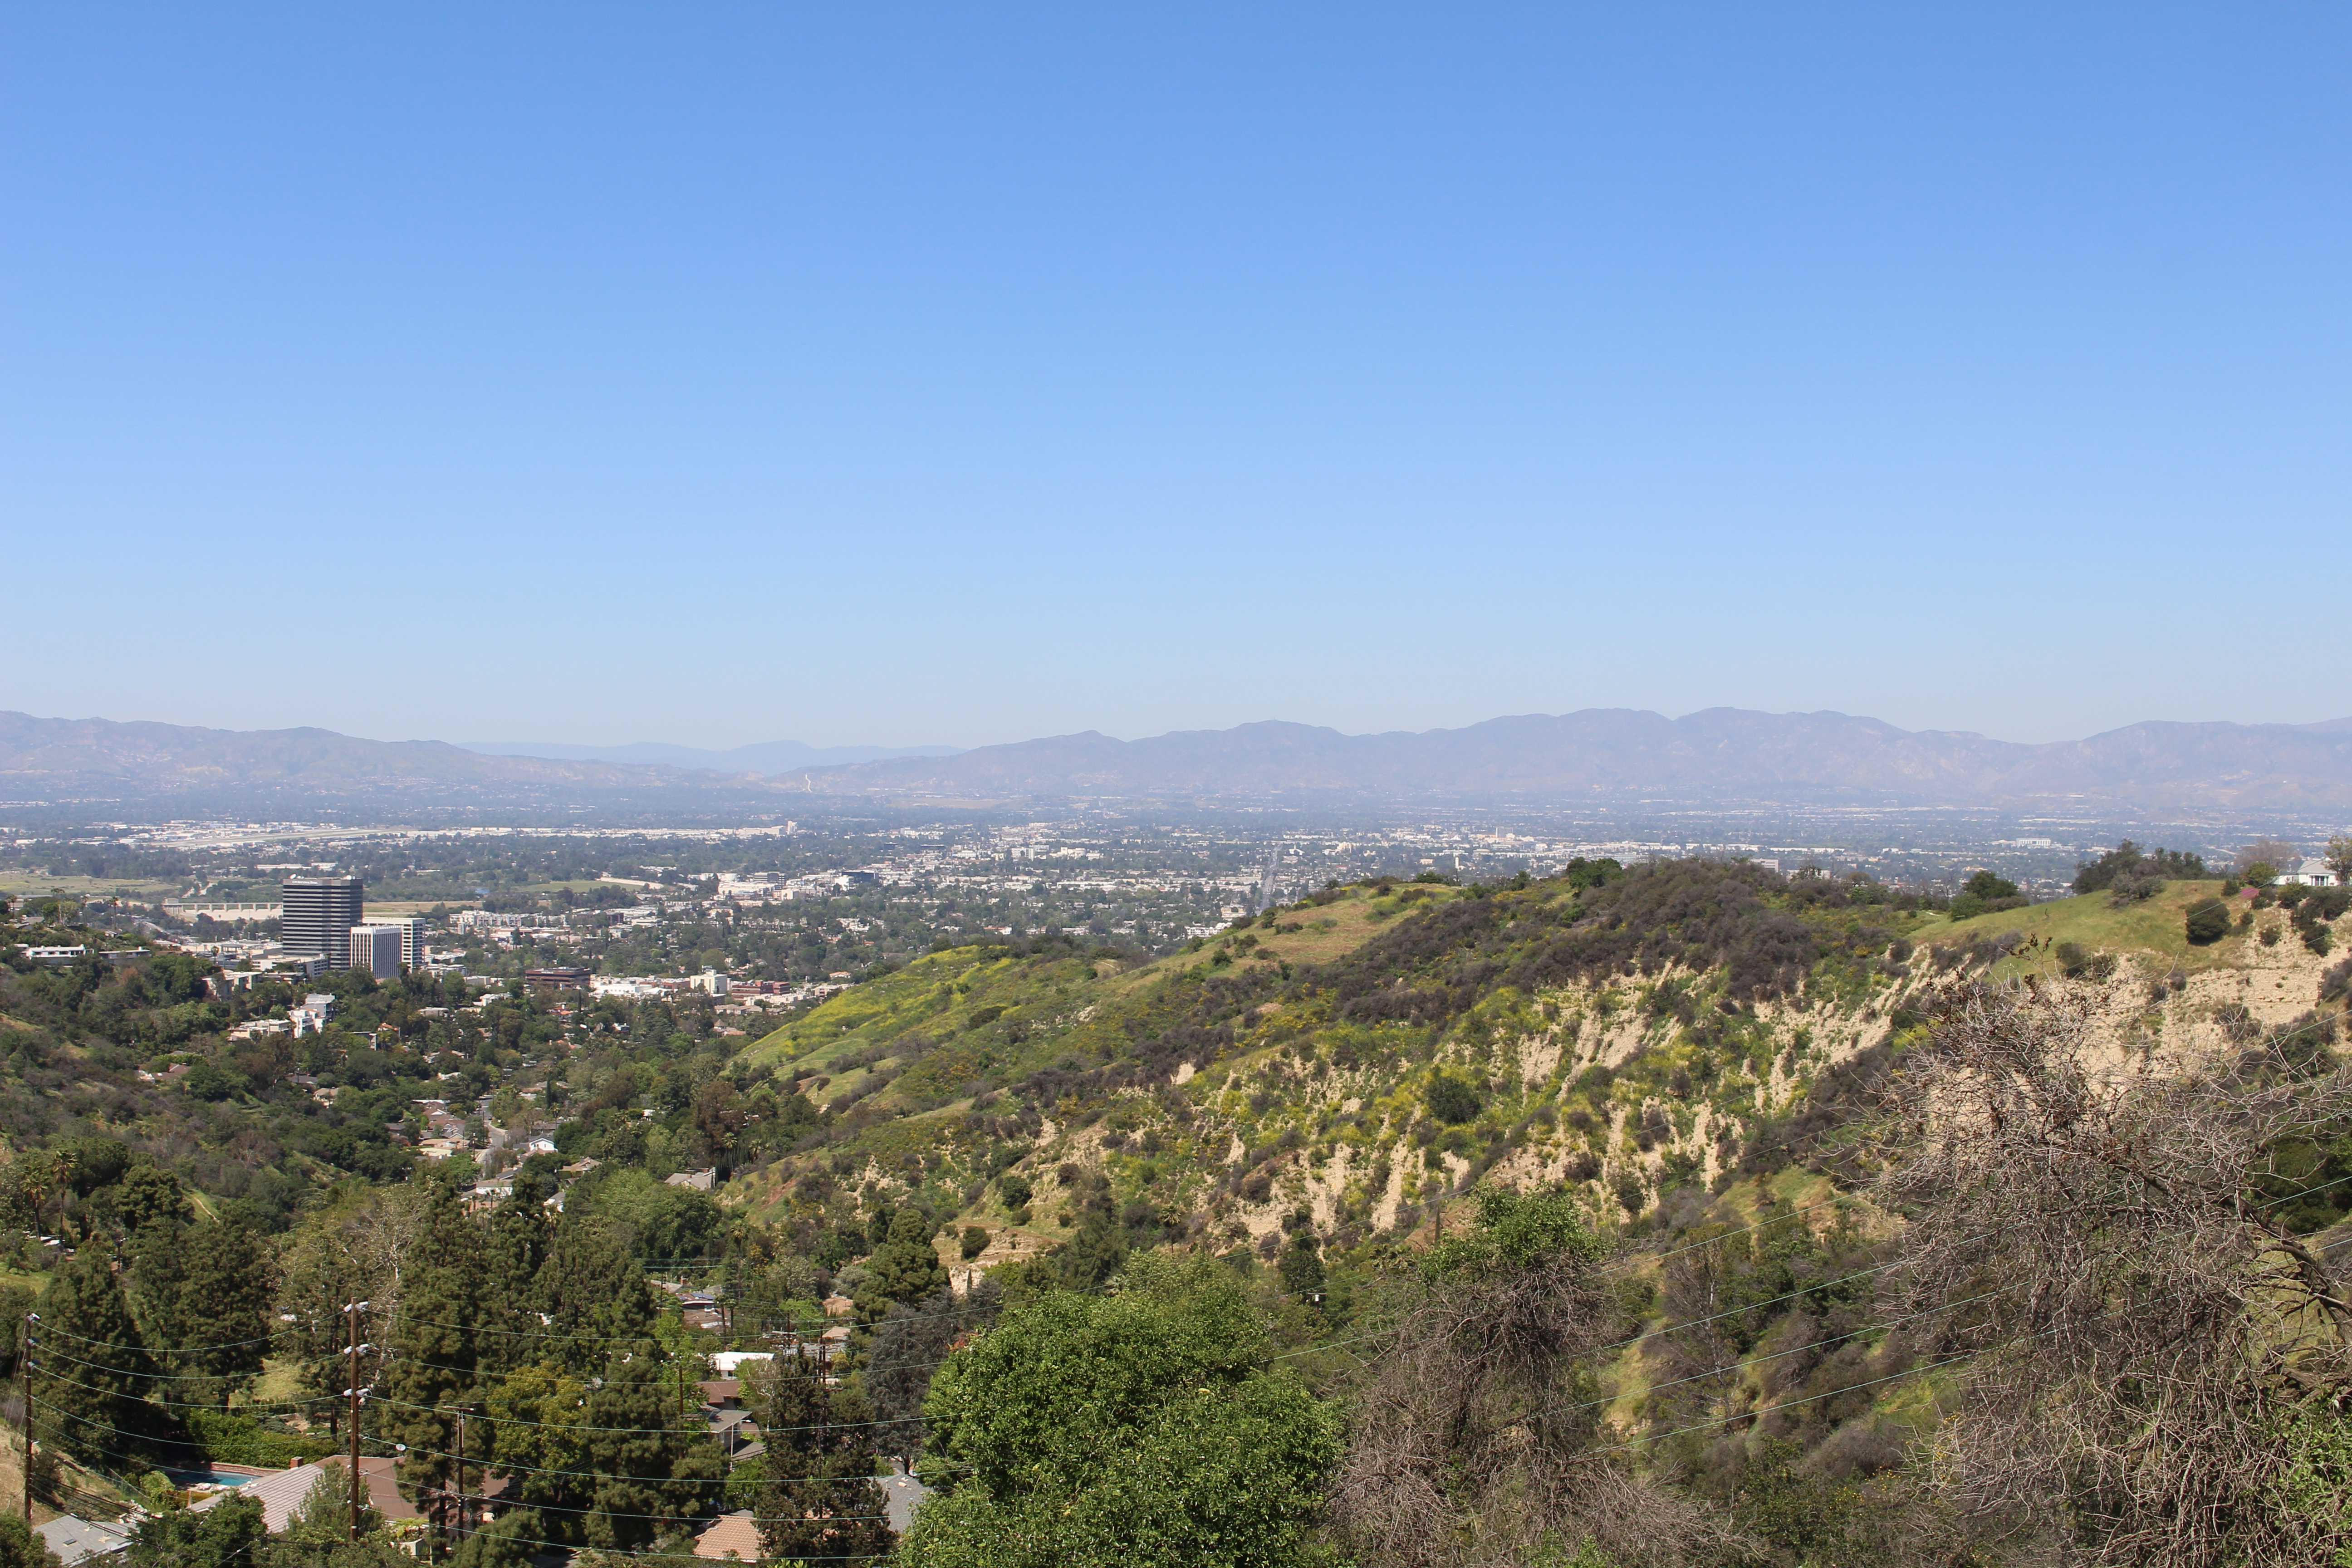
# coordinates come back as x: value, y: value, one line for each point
x: 2310, y: 874
x: 81, y: 1540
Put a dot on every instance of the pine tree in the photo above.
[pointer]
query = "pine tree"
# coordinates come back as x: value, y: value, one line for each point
x: 90, y: 1364
x: 20, y: 1548
x: 512, y: 1254
x: 1302, y: 1267
x: 324, y: 1514
x: 591, y: 1287
x: 435, y: 1343
x: 202, y: 1296
x: 904, y: 1267
x: 147, y: 1196
x: 821, y: 1500
x: 636, y: 1430
x: 1089, y: 1259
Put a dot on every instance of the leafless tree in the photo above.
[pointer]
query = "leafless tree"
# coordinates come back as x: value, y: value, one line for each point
x: 2276, y: 852
x: 1701, y: 1359
x: 1475, y: 1436
x: 2147, y: 1353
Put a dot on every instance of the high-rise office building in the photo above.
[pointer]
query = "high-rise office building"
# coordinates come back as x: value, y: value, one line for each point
x: 317, y: 914
x: 376, y: 949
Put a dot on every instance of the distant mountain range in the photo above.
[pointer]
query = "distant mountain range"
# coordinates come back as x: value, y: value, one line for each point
x: 1619, y: 754
x: 767, y: 757
x: 1613, y: 755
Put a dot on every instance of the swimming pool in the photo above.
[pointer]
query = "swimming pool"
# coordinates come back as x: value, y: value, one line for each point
x: 208, y: 1478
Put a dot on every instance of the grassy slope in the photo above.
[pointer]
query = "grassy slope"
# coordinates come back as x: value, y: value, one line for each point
x: 2153, y: 929
x: 984, y: 1018
x: 1039, y: 1012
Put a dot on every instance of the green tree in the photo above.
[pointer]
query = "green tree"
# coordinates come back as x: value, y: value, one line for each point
x: 91, y: 1363
x: 1816, y: 1521
x: 368, y: 1551
x: 639, y: 1417
x: 654, y: 1219
x: 223, y: 1536
x: 20, y: 1548
x: 147, y: 1196
x: 821, y: 1500
x: 324, y: 1515
x: 1450, y: 1099
x: 610, y: 1465
x: 905, y: 1267
x: 435, y: 1360
x: 1141, y: 1428
x: 203, y: 1296
x: 1090, y: 1258
x: 2207, y: 921
x: 1302, y: 1266
x: 513, y: 1253
x: 537, y: 1439
x: 590, y: 1287
x: 1987, y: 886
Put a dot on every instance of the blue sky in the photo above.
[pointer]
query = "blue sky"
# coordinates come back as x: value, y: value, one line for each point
x: 891, y: 374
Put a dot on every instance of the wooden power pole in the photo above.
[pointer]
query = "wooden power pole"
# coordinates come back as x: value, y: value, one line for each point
x: 462, y: 1519
x: 351, y: 1395
x: 25, y: 1389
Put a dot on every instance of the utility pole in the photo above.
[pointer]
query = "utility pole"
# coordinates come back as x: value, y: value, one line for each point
x: 823, y: 1412
x: 460, y: 1534
x: 351, y: 1394
x: 24, y: 1388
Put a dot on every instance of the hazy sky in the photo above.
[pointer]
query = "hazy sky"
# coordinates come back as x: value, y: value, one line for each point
x: 960, y: 374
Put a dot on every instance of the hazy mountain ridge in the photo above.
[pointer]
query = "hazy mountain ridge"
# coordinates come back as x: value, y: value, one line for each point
x: 762, y: 757
x: 1598, y: 754
x: 170, y: 757
x: 1620, y: 752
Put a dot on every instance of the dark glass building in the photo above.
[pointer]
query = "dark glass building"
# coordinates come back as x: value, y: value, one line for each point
x: 317, y: 914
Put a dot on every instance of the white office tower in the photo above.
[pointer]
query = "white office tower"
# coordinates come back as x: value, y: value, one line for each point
x: 376, y: 949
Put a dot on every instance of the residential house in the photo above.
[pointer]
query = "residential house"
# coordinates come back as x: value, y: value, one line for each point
x: 91, y: 1541
x: 732, y: 1538
x: 281, y: 1493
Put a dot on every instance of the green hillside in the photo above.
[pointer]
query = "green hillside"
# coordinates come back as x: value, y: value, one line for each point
x: 1563, y: 1010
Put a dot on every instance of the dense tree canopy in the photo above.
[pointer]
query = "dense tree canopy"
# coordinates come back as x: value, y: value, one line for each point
x: 1140, y: 1428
